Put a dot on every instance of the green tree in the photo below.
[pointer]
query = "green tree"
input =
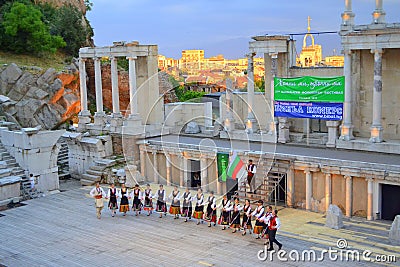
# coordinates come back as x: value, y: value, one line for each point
x: 27, y: 32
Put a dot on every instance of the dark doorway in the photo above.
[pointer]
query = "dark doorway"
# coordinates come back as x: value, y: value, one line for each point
x: 390, y: 201
x: 195, y: 174
x: 280, y: 194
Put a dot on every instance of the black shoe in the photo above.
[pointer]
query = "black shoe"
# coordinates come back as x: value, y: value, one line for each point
x: 270, y: 249
x: 280, y: 247
x: 244, y: 233
x: 215, y: 224
x: 209, y: 225
x: 198, y: 223
x: 257, y: 237
x: 223, y: 228
x: 186, y: 220
x: 148, y: 214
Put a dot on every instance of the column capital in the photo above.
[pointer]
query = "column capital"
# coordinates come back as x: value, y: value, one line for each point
x: 113, y: 58
x: 347, y: 51
x: 307, y: 171
x: 154, y: 152
x: 96, y: 59
x: 377, y: 51
x: 131, y: 57
x: 82, y: 59
x: 369, y: 179
x: 347, y: 177
x: 273, y: 55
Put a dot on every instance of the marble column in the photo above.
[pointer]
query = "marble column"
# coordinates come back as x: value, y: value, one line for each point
x: 133, y: 87
x: 204, y: 173
x: 143, y: 162
x: 250, y: 94
x: 168, y: 166
x: 83, y: 87
x: 347, y: 126
x: 332, y: 133
x: 376, y: 127
x: 114, y: 87
x: 186, y: 172
x: 328, y: 191
x: 348, y: 15
x: 229, y: 121
x: 99, y: 87
x: 155, y: 168
x: 274, y: 72
x: 349, y: 195
x: 290, y: 187
x: 378, y: 16
x: 370, y: 184
x: 283, y: 136
x: 219, y: 184
x: 181, y: 172
x: 309, y: 188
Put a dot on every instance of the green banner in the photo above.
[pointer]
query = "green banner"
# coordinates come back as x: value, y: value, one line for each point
x: 309, y: 89
x: 222, y: 163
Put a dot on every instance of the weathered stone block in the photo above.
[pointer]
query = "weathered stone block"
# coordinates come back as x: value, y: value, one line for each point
x: 334, y: 217
x: 11, y: 74
x: 22, y: 86
x: 47, y: 77
x: 37, y: 93
x: 394, y: 234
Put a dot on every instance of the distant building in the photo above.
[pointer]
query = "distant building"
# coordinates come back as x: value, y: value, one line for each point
x: 311, y: 55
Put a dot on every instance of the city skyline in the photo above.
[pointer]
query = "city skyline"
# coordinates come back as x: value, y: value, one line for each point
x: 219, y: 28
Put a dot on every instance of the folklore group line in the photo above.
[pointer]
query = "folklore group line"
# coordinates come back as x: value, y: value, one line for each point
x: 266, y: 224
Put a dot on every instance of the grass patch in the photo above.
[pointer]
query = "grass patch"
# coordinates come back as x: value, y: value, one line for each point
x: 57, y: 61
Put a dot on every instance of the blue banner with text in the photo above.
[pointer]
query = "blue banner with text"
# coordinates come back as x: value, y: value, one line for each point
x: 313, y: 110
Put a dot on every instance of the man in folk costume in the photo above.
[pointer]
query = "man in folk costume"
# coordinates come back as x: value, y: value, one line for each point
x: 161, y: 196
x: 98, y: 193
x: 211, y: 213
x: 225, y: 212
x: 148, y: 200
x: 246, y: 222
x: 235, y: 210
x: 258, y: 214
x: 187, y: 205
x: 274, y: 225
x: 175, y: 207
x: 251, y: 171
x: 136, y: 194
x: 124, y: 202
x: 265, y: 219
x: 199, y: 208
x: 112, y: 195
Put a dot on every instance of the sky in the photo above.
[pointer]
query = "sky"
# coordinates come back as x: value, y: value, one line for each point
x: 223, y: 26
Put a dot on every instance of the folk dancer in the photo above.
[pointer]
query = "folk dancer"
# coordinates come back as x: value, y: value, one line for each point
x: 251, y: 171
x: 148, y: 200
x: 246, y: 222
x: 235, y: 210
x: 211, y: 212
x: 98, y: 193
x: 225, y: 212
x: 161, y: 206
x: 136, y: 194
x: 112, y: 195
x: 187, y: 205
x: 258, y: 213
x: 124, y: 202
x: 265, y: 219
x: 175, y: 208
x: 274, y: 224
x: 199, y: 208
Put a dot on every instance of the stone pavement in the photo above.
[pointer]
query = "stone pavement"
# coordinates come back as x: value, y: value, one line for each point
x: 62, y: 230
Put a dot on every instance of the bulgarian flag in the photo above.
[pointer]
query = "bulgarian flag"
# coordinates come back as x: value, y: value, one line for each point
x: 236, y: 167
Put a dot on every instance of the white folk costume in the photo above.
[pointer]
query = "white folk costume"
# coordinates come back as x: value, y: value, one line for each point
x: 273, y: 227
x: 187, y: 205
x: 175, y: 207
x: 225, y: 212
x: 161, y: 197
x: 112, y: 196
x: 246, y: 222
x: 259, y: 226
x: 136, y: 203
x: 124, y: 203
x: 266, y: 220
x: 199, y: 208
x: 211, y: 213
x: 235, y: 215
x: 251, y: 171
x: 148, y: 200
x: 98, y: 194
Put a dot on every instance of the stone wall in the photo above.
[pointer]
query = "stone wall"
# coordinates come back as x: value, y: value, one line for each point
x: 32, y: 98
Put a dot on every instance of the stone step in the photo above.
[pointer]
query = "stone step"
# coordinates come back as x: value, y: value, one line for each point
x: 94, y: 172
x: 64, y: 176
x: 87, y: 182
x: 10, y: 161
x: 97, y: 168
x: 5, y: 173
x: 93, y: 178
x: 105, y: 162
x: 6, y: 157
